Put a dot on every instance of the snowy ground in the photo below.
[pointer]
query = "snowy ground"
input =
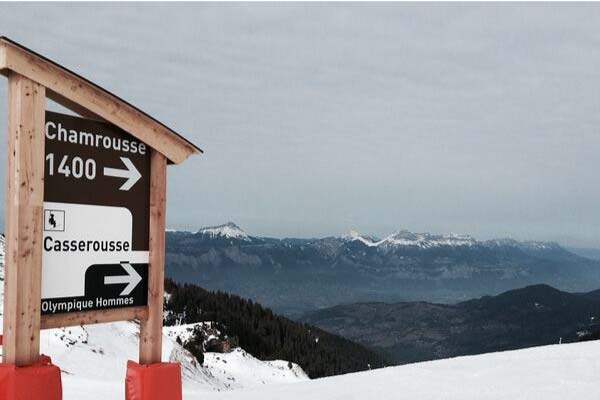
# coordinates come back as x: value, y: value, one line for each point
x: 559, y: 372
x: 93, y: 360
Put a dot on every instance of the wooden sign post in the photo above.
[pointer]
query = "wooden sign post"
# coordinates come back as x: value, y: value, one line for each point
x: 151, y: 328
x: 23, y: 219
x: 85, y: 208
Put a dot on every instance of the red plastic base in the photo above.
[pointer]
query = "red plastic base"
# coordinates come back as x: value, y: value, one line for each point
x: 160, y: 381
x: 40, y: 381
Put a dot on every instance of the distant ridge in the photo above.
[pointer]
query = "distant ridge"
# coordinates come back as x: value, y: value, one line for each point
x: 417, y: 331
x: 295, y: 275
x: 402, y: 237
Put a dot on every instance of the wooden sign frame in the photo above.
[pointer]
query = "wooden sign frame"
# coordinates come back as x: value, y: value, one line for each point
x: 31, y: 79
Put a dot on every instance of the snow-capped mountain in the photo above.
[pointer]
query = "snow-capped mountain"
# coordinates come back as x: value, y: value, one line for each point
x: 370, y: 241
x: 297, y: 275
x: 225, y: 231
x: 400, y: 238
x: 425, y: 240
x: 407, y: 238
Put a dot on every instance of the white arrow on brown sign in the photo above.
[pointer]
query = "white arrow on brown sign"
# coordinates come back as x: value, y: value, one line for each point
x: 131, y: 279
x: 131, y: 173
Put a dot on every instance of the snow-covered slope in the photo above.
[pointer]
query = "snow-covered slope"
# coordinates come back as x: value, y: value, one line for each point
x: 404, y: 238
x: 225, y: 231
x: 407, y: 238
x: 238, y: 369
x: 558, y: 372
x: 96, y: 355
x: 367, y: 240
x: 426, y: 240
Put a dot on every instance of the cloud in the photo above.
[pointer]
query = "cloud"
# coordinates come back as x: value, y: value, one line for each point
x: 318, y: 118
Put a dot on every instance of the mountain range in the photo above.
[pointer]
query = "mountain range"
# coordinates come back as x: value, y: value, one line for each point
x: 294, y: 276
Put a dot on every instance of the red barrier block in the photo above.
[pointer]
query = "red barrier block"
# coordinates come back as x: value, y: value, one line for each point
x: 40, y: 381
x: 160, y: 381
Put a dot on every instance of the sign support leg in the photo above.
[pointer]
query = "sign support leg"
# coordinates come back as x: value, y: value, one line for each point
x: 24, y: 220
x: 151, y: 328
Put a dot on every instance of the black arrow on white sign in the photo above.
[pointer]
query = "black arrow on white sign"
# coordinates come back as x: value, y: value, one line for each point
x: 131, y: 173
x: 131, y: 279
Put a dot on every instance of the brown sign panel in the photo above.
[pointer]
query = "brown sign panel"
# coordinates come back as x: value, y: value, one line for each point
x: 96, y: 217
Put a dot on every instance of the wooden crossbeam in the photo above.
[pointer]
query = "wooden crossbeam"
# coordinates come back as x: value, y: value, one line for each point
x: 94, y: 317
x: 68, y: 89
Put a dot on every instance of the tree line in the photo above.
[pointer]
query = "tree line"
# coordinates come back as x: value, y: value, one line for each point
x: 266, y: 335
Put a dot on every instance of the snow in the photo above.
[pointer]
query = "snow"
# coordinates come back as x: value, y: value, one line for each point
x: 241, y: 370
x: 353, y: 235
x: 228, y: 230
x: 400, y: 238
x: 93, y: 364
x: 185, y: 331
x: 426, y: 240
x: 555, y: 372
x: 96, y: 355
x: 407, y: 238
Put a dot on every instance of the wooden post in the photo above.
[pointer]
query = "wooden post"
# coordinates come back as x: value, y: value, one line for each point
x: 24, y: 220
x: 151, y: 328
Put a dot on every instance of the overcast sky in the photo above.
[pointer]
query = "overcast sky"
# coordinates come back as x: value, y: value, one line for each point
x: 317, y: 119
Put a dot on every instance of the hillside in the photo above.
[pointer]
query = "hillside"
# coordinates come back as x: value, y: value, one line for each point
x: 417, y: 331
x: 268, y: 336
x: 293, y: 276
x: 93, y: 362
x: 559, y: 372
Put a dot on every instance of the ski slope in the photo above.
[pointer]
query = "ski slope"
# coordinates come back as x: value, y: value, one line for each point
x: 93, y: 363
x: 558, y: 372
x: 92, y: 359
